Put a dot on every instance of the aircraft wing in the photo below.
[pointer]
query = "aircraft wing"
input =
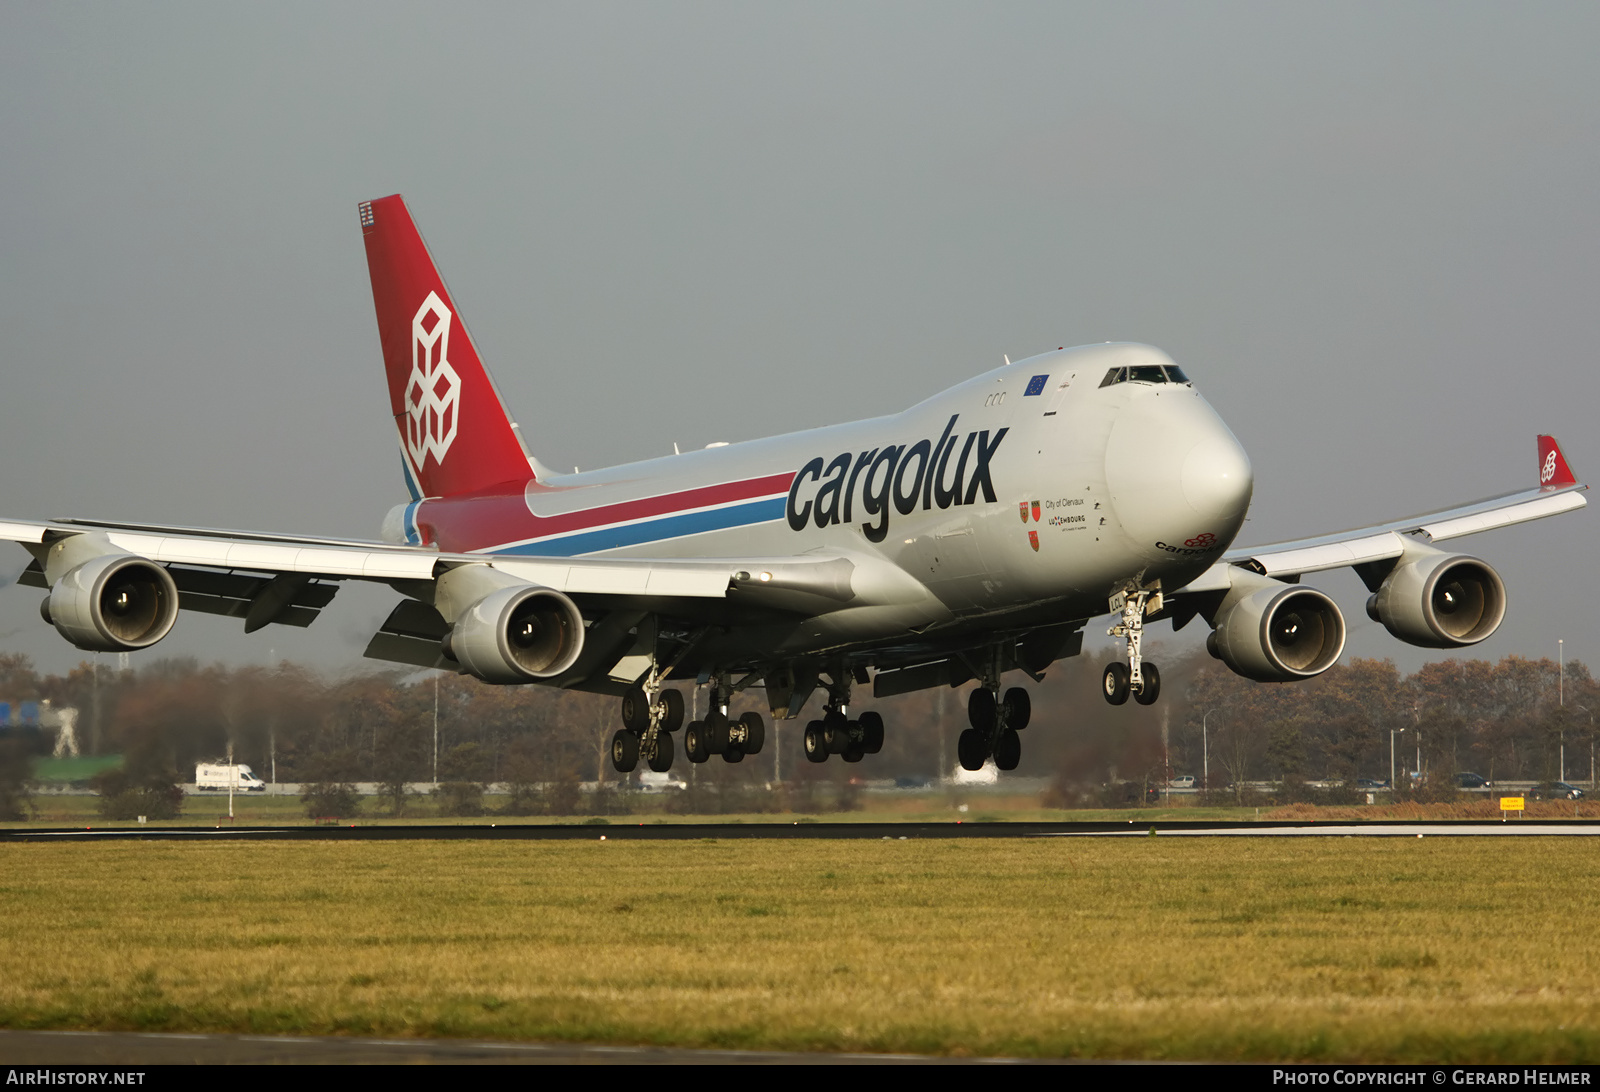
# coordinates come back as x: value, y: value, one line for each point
x: 1557, y: 492
x: 267, y: 579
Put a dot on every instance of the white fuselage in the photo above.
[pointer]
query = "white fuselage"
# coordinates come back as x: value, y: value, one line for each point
x: 1052, y: 489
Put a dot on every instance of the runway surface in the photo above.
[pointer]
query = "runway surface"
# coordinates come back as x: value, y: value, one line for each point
x: 668, y: 832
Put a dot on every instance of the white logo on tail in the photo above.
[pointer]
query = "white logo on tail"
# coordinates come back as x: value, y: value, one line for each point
x: 1549, y: 470
x: 433, y: 392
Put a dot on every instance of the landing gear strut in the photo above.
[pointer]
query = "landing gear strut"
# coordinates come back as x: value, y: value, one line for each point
x: 1135, y: 677
x: 995, y: 721
x: 836, y: 733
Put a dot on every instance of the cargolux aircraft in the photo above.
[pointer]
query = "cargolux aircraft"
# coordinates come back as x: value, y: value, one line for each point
x: 971, y: 535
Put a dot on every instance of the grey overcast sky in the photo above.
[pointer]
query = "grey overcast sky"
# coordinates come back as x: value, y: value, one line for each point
x: 1368, y: 232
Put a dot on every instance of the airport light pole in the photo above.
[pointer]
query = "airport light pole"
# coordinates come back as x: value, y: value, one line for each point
x: 1205, y: 752
x: 1392, y: 733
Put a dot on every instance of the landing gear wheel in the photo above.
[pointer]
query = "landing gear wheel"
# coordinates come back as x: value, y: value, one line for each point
x: 871, y: 733
x: 852, y: 753
x: 624, y: 751
x: 1114, y: 684
x: 755, y: 733
x: 694, y: 742
x: 733, y: 754
x: 661, y: 761
x: 1019, y: 709
x: 981, y: 709
x: 837, y: 730
x: 1151, y: 690
x: 816, y: 743
x: 635, y: 710
x: 1007, y: 750
x: 971, y: 749
x: 716, y: 734
x: 672, y: 713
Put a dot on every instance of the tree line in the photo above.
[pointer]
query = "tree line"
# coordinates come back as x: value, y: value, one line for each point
x: 1505, y: 720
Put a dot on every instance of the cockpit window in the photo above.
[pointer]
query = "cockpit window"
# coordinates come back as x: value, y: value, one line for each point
x: 1145, y: 373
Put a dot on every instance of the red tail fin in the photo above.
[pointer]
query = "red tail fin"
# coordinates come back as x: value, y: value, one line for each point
x: 455, y: 433
x: 1553, y: 470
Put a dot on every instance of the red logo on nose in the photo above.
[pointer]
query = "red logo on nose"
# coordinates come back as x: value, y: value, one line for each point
x: 1202, y: 541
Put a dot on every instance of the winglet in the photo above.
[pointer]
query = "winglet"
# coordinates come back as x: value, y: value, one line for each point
x: 1553, y: 470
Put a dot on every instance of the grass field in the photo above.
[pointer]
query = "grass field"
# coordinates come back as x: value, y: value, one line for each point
x: 1339, y: 949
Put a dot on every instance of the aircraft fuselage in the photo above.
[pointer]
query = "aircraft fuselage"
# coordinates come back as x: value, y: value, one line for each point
x: 1040, y: 489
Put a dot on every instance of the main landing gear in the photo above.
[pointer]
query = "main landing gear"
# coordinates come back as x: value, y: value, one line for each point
x: 995, y: 719
x: 836, y: 733
x: 647, y: 727
x: 1135, y: 677
x: 717, y: 735
x: 995, y: 723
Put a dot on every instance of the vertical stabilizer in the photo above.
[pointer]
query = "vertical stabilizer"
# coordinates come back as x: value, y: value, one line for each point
x: 455, y: 433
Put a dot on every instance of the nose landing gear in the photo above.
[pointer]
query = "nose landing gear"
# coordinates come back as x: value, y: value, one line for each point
x: 1135, y: 677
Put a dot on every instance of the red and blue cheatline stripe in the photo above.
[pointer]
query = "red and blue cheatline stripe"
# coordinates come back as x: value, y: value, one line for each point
x: 473, y: 523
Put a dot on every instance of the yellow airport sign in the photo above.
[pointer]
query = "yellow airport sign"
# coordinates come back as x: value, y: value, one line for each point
x: 1511, y: 803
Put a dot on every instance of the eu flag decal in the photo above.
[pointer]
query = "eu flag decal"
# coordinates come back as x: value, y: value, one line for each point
x: 1036, y: 386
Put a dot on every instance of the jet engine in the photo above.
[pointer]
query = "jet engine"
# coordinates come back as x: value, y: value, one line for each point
x: 113, y: 603
x: 1439, y: 600
x: 1278, y: 633
x: 517, y: 634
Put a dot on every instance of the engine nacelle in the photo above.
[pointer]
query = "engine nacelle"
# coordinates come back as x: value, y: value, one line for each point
x: 517, y: 634
x: 1279, y: 633
x: 113, y: 603
x: 1439, y: 600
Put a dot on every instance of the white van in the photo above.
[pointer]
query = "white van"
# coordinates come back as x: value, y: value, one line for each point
x: 217, y: 776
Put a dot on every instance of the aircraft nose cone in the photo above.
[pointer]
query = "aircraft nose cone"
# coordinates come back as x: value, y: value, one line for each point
x: 1180, y: 483
x: 1217, y: 479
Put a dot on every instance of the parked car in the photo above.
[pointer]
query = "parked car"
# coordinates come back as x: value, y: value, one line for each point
x: 1555, y: 790
x: 1472, y: 781
x: 1367, y: 784
x: 1185, y: 782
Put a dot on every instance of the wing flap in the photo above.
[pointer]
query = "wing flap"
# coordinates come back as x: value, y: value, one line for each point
x: 1331, y: 555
